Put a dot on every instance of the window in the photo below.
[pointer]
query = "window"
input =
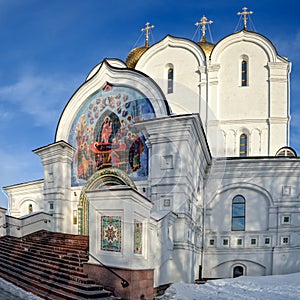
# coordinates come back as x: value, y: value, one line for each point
x: 244, y: 68
x: 238, y: 271
x: 238, y: 213
x: 51, y: 206
x: 286, y: 220
x: 267, y: 241
x: 30, y: 209
x: 285, y: 240
x: 239, y: 242
x: 170, y: 80
x: 253, y: 242
x: 75, y: 217
x: 211, y: 242
x: 225, y: 242
x: 286, y: 152
x: 243, y: 145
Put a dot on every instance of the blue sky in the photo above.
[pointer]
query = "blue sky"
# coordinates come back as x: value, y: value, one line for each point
x: 48, y: 48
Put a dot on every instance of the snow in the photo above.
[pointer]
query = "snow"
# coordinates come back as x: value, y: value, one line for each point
x: 14, y: 292
x: 276, y: 287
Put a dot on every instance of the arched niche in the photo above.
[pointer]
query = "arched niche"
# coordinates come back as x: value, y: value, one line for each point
x: 104, y: 178
x: 122, y: 96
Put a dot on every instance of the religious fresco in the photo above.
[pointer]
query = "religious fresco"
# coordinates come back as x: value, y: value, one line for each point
x: 104, y: 135
x: 111, y: 233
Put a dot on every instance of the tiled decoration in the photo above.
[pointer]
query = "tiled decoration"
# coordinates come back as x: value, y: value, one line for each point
x: 111, y: 233
x: 138, y: 237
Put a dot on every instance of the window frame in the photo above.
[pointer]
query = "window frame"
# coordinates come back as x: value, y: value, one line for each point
x: 244, y: 73
x: 269, y: 241
x: 285, y: 240
x: 225, y: 242
x: 242, y: 216
x: 286, y: 219
x: 170, y: 80
x: 239, y: 242
x: 244, y: 145
x: 30, y: 208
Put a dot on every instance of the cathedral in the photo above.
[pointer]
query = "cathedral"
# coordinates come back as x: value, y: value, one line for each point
x: 176, y: 162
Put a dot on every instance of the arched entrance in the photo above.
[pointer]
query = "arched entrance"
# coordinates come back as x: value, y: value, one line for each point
x: 238, y: 271
x: 105, y: 177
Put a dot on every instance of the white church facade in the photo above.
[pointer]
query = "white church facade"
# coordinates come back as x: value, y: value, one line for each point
x: 177, y: 161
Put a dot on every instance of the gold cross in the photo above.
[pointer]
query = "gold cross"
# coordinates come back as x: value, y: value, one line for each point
x: 245, y: 13
x: 203, y: 22
x: 147, y: 28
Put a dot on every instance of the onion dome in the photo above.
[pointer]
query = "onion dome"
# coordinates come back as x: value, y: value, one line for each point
x: 134, y: 56
x: 136, y: 53
x: 206, y: 46
x: 203, y: 43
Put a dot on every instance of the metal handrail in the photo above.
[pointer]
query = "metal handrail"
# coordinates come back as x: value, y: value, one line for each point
x: 124, y: 282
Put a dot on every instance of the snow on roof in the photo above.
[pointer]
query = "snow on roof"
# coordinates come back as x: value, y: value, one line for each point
x: 158, y: 215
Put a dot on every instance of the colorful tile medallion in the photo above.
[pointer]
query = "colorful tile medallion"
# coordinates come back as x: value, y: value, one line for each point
x: 111, y: 233
x: 138, y: 237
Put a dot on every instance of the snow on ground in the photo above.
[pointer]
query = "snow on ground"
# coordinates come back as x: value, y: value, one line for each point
x: 277, y: 287
x: 14, y: 292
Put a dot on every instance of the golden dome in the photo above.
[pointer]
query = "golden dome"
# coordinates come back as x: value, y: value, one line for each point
x: 134, y: 56
x: 206, y: 46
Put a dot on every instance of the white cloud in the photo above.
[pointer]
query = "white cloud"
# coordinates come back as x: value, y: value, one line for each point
x: 42, y: 97
x: 5, y: 116
x: 16, y: 167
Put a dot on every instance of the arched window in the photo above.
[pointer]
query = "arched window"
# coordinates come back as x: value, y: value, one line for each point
x: 30, y: 209
x: 170, y: 80
x: 244, y: 69
x: 238, y: 213
x: 243, y: 145
x: 238, y: 271
x: 286, y: 152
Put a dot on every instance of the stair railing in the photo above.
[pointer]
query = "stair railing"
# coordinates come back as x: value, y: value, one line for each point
x: 124, y: 282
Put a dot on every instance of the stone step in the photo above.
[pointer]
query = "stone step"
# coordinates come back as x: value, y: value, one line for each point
x: 52, y: 248
x: 49, y: 267
x: 44, y: 292
x: 44, y: 237
x: 44, y: 263
x: 72, y: 262
x: 46, y: 272
x: 90, y: 291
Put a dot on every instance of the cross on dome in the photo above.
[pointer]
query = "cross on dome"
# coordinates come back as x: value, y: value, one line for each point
x: 146, y: 29
x: 203, y: 21
x: 245, y: 13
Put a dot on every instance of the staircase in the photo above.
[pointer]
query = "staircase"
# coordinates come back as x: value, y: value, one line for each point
x: 49, y: 265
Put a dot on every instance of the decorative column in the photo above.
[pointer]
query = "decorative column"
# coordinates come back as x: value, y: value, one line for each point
x: 279, y: 105
x: 56, y: 159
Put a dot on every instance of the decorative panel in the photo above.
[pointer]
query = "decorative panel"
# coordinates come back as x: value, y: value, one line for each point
x: 111, y: 233
x: 138, y: 237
